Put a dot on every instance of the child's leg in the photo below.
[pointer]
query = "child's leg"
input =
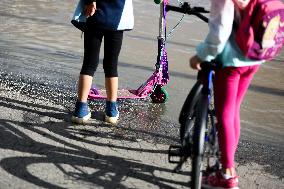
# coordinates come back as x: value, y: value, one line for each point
x: 112, y: 42
x: 84, y: 86
x: 244, y: 83
x: 231, y: 85
x: 226, y: 88
x: 92, y: 44
x: 225, y: 93
x: 111, y: 88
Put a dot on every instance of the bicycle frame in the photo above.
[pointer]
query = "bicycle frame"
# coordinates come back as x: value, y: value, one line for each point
x: 208, y: 91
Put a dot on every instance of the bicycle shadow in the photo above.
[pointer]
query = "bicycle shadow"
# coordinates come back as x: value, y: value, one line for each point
x: 57, y: 143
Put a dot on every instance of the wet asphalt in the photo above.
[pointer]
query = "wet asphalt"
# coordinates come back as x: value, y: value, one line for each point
x: 41, y: 56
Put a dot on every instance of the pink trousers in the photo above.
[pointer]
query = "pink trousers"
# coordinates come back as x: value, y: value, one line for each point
x: 230, y: 86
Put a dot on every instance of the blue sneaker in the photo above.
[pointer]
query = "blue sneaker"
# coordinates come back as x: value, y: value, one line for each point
x: 81, y: 114
x: 112, y: 113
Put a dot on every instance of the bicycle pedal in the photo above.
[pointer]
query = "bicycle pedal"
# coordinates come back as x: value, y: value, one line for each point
x: 175, y: 154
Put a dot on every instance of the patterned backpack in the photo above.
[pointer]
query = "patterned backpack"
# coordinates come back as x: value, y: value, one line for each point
x: 260, y: 34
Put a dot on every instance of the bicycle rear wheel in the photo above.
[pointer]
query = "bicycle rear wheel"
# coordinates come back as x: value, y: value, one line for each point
x: 198, y: 146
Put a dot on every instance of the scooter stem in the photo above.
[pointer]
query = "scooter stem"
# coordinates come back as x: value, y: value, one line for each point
x: 162, y: 21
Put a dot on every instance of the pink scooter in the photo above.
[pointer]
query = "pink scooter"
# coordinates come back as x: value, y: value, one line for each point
x: 153, y: 87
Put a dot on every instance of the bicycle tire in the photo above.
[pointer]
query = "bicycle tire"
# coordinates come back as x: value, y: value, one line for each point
x: 189, y: 108
x: 199, y: 141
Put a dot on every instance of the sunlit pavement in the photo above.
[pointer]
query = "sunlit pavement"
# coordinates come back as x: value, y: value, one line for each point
x: 40, y: 58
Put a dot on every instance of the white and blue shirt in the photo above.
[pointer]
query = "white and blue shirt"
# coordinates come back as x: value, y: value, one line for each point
x: 110, y: 14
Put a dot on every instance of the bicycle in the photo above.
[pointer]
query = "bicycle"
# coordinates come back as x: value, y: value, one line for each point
x: 198, y: 134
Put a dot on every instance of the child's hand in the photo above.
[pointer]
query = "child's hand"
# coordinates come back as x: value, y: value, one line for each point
x: 195, y: 62
x: 90, y: 9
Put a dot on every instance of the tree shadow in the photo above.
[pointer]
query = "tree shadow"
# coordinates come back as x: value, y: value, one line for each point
x: 65, y: 148
x: 75, y: 146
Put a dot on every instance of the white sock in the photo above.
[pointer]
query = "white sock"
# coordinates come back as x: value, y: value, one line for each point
x: 226, y: 176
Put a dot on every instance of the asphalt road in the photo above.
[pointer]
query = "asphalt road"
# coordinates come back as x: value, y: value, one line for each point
x: 40, y: 59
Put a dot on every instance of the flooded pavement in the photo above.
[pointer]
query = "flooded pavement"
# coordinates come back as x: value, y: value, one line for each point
x: 41, y: 56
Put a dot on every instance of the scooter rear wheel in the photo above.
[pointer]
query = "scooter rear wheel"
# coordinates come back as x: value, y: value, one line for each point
x: 159, y: 95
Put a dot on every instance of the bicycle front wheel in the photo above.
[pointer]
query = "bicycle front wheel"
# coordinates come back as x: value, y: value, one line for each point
x: 187, y: 114
x: 199, y: 130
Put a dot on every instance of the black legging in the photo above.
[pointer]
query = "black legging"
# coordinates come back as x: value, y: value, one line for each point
x: 92, y: 43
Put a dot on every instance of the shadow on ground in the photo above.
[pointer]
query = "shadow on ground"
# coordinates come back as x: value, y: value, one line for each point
x: 13, y: 136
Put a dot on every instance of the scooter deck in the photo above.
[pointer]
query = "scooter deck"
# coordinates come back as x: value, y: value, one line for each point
x: 121, y: 94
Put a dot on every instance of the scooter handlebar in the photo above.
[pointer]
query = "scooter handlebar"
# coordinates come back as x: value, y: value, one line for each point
x: 187, y: 9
